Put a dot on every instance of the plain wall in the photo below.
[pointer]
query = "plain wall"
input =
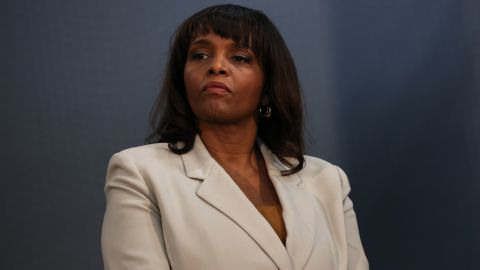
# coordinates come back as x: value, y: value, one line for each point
x: 392, y: 95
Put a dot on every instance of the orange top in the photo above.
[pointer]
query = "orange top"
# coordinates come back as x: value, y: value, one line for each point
x: 273, y: 214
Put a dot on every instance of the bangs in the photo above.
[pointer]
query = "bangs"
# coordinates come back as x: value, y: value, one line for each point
x: 242, y: 26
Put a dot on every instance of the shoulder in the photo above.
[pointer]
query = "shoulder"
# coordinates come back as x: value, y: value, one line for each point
x: 316, y: 166
x: 321, y: 174
x: 141, y: 167
x: 145, y: 156
x: 148, y: 151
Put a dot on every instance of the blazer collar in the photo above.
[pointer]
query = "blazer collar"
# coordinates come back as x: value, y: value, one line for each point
x: 221, y: 192
x: 297, y: 209
x: 198, y: 161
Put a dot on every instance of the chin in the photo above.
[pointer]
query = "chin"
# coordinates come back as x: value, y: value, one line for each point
x: 220, y: 120
x: 220, y: 115
x: 214, y: 114
x: 223, y: 119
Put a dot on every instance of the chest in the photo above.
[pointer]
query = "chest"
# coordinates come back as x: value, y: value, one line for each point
x: 207, y: 223
x: 260, y: 191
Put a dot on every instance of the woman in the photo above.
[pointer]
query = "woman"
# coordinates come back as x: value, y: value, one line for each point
x: 225, y: 184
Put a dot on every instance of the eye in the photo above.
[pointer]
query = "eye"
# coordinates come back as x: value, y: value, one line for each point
x: 241, y: 58
x: 199, y: 55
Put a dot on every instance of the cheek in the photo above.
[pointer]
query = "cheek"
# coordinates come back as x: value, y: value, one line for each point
x: 190, y: 78
x: 254, y: 86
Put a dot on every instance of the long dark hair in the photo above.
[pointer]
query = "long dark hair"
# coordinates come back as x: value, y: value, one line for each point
x: 172, y: 119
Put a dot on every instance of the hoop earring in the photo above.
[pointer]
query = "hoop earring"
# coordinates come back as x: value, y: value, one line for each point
x: 265, y: 111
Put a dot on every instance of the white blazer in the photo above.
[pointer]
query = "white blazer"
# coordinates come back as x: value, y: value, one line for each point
x: 184, y: 212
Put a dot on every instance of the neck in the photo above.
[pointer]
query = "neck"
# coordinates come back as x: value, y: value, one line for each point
x: 231, y: 145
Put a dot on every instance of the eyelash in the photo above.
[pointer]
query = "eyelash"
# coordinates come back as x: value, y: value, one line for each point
x: 236, y: 58
x: 241, y: 58
x: 199, y: 55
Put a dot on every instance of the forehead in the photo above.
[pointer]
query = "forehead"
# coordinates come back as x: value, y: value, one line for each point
x: 213, y: 39
x: 242, y: 36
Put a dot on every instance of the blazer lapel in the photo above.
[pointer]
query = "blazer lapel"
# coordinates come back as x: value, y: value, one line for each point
x: 220, y: 191
x: 298, y: 213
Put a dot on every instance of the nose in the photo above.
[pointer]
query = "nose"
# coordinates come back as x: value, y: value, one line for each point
x: 218, y: 67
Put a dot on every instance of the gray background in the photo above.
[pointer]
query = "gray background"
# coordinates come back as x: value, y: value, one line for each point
x: 392, y: 95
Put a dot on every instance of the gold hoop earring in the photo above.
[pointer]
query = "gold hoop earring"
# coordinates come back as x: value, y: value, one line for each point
x: 265, y: 111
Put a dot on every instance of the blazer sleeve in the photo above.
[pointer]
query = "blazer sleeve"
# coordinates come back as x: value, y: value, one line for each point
x: 132, y: 230
x: 356, y: 256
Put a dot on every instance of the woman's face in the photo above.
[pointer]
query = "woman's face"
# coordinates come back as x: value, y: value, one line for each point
x: 223, y: 81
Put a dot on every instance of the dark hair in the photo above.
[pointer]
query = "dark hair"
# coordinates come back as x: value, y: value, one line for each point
x: 172, y: 119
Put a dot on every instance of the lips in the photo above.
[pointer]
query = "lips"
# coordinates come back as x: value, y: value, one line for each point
x: 216, y: 87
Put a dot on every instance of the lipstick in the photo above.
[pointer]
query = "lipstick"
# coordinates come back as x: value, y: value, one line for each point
x: 216, y: 87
